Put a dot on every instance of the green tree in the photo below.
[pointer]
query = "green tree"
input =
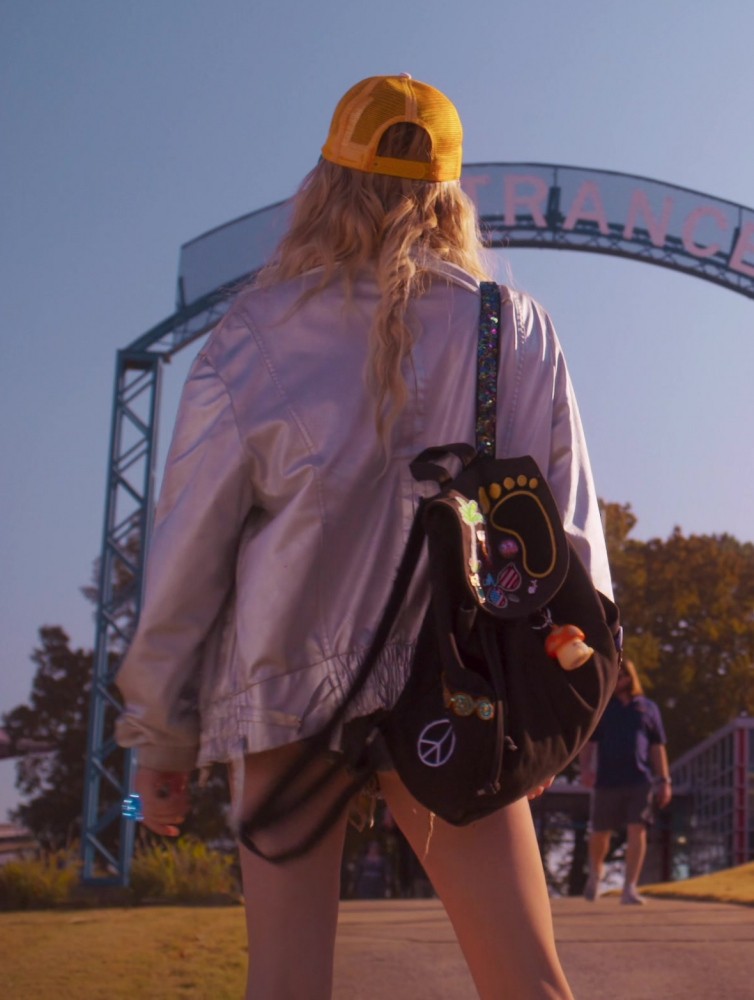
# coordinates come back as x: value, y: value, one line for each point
x: 56, y: 715
x: 687, y: 605
x: 52, y: 782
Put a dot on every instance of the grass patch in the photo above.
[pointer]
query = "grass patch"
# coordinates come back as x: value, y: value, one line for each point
x: 163, y: 953
x: 734, y: 885
x: 38, y: 883
x: 194, y: 952
x: 177, y: 872
x: 182, y: 871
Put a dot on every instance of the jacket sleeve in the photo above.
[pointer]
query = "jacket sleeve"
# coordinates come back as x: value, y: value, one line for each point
x: 206, y: 497
x: 541, y: 417
x: 570, y: 476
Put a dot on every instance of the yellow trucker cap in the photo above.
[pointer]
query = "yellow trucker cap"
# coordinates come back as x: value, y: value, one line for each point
x: 372, y: 106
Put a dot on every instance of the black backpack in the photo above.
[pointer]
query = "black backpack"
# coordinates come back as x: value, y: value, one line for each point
x: 488, y: 711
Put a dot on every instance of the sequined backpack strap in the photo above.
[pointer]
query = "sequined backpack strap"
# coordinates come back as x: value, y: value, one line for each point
x: 488, y: 355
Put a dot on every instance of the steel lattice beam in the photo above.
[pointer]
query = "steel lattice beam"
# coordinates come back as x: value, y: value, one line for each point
x: 107, y: 840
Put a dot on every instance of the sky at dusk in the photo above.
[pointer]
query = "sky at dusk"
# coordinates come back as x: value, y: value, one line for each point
x: 130, y: 129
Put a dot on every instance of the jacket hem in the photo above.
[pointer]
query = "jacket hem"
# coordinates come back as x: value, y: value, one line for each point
x: 245, y: 723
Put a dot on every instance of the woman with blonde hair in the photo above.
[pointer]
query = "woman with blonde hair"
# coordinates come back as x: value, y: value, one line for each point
x: 284, y: 511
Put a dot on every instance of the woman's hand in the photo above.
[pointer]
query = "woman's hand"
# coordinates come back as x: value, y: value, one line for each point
x: 164, y: 799
x: 536, y: 792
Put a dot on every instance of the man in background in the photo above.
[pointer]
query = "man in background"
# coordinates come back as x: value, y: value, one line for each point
x: 626, y: 765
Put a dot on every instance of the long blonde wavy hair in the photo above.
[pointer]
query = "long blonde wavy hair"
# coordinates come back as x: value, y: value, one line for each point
x: 345, y: 220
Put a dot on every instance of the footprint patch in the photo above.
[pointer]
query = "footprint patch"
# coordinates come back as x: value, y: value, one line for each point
x: 522, y: 526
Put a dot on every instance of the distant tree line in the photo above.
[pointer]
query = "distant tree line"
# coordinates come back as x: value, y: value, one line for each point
x: 687, y: 605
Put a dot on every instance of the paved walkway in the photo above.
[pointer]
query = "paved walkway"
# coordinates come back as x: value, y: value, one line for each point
x: 668, y: 949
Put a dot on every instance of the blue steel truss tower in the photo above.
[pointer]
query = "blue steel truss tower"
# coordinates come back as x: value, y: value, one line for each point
x: 519, y: 205
x: 107, y: 837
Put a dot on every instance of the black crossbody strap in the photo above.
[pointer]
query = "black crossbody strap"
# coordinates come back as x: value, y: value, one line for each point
x: 488, y: 360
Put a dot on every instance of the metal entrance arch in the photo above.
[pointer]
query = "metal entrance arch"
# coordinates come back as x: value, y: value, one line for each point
x: 520, y: 205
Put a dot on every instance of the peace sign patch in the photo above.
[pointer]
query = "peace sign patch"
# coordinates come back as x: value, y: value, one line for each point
x: 436, y: 743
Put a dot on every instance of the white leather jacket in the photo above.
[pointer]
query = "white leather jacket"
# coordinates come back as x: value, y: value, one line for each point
x: 281, y: 521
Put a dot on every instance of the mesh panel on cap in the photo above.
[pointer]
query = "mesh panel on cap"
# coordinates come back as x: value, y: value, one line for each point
x: 371, y: 106
x: 383, y: 105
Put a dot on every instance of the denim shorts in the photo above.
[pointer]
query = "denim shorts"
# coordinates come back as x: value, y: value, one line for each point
x: 615, y: 808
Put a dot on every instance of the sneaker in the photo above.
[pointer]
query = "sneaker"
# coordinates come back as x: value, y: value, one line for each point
x: 631, y: 897
x: 591, y: 889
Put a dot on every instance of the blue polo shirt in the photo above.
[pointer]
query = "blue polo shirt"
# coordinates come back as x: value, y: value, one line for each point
x: 624, y: 735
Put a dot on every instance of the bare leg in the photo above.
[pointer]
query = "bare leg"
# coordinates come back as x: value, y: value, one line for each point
x: 490, y: 879
x: 599, y: 845
x: 291, y: 907
x: 636, y: 849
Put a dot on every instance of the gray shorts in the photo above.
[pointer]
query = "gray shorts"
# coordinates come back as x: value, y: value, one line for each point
x: 615, y: 808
